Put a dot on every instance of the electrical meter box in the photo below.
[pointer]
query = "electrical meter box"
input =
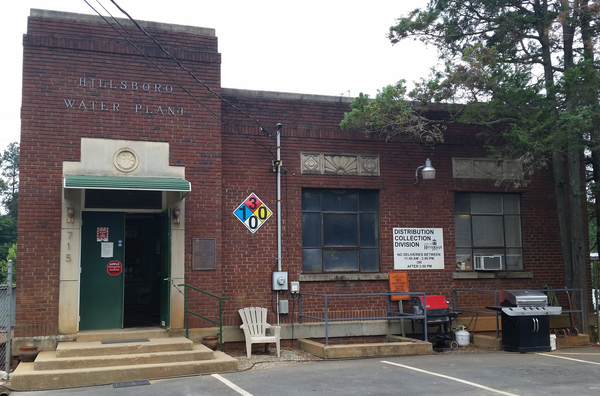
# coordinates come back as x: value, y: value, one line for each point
x: 294, y: 287
x: 280, y: 280
x: 284, y: 307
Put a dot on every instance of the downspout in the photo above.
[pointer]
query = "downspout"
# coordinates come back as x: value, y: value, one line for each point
x: 278, y: 170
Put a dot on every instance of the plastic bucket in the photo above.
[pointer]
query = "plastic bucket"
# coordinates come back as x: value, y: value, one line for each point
x: 463, y: 337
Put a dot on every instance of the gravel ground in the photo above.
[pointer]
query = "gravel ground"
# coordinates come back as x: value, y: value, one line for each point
x: 261, y: 360
x: 293, y: 356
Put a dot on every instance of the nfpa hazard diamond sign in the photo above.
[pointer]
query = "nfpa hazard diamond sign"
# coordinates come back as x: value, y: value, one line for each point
x: 253, y: 213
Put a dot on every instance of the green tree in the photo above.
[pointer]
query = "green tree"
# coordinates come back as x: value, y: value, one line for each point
x: 12, y: 255
x: 530, y: 65
x: 9, y: 188
x: 392, y: 116
x: 9, y: 193
x: 8, y: 234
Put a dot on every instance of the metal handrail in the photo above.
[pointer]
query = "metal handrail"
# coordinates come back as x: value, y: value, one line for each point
x: 456, y: 309
x: 187, y: 311
x: 496, y: 313
x: 390, y: 314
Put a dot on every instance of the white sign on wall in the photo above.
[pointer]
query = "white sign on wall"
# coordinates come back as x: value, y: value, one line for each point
x: 418, y: 248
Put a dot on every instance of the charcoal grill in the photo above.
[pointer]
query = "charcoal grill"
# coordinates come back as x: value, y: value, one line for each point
x: 525, y: 320
x: 438, y: 314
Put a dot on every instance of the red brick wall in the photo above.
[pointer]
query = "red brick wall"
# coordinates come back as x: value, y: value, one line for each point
x: 225, y: 163
x: 57, y: 54
x: 314, y: 126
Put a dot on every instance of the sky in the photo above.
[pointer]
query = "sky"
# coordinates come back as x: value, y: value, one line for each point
x: 323, y: 47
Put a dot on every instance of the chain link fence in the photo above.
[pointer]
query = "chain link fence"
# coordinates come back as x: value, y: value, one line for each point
x: 7, y: 319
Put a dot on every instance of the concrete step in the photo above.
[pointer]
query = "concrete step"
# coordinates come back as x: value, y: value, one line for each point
x: 120, y: 334
x: 122, y: 347
x: 49, y: 361
x: 26, y: 377
x: 122, y: 357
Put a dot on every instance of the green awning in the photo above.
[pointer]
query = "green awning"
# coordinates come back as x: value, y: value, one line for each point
x: 127, y: 183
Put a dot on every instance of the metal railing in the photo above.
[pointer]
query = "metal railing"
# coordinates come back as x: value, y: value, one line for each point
x: 390, y: 314
x: 187, y: 312
x: 496, y: 303
x: 488, y: 312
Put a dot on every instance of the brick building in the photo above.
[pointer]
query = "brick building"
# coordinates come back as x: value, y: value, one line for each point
x: 133, y: 176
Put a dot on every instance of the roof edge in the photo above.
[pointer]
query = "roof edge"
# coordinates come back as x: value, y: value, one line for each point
x: 169, y: 27
x: 272, y: 95
x: 248, y: 93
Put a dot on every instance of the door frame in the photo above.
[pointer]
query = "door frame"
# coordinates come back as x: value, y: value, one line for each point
x: 176, y: 304
x: 165, y: 269
x: 69, y: 296
x: 97, y: 157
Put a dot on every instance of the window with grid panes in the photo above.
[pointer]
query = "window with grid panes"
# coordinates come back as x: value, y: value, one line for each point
x: 340, y: 230
x: 488, y: 226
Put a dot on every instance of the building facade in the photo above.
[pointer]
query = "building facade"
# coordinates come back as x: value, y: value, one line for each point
x: 138, y: 177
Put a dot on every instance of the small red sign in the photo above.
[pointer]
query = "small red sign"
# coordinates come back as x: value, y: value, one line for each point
x: 102, y: 234
x: 114, y: 268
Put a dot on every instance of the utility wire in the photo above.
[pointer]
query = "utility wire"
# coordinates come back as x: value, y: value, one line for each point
x: 159, y: 67
x: 141, y: 51
x: 187, y: 70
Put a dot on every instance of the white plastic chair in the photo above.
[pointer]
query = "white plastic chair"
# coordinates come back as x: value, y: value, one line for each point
x: 255, y: 328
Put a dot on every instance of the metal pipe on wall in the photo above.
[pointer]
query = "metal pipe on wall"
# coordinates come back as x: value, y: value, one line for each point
x: 596, y: 310
x: 9, y: 318
x: 278, y: 163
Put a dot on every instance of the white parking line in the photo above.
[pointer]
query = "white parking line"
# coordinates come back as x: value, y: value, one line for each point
x: 232, y: 385
x: 566, y: 358
x: 452, y: 379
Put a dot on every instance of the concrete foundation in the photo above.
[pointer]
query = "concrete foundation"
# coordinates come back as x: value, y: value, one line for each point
x: 395, y: 347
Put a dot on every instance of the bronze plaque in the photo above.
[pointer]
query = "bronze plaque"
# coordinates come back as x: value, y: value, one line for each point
x: 204, y: 254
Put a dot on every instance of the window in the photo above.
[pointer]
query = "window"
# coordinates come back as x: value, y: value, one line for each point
x: 488, y: 231
x: 340, y: 230
x: 123, y: 199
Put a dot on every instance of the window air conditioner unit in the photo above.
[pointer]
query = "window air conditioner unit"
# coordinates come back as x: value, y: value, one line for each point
x: 488, y: 263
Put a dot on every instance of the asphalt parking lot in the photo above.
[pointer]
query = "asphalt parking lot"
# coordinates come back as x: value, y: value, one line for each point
x: 567, y: 371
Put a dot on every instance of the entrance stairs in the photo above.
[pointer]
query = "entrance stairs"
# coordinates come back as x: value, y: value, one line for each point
x: 113, y: 357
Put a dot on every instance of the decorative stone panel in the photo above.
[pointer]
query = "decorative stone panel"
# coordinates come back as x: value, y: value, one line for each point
x: 339, y: 164
x: 486, y: 168
x: 126, y: 160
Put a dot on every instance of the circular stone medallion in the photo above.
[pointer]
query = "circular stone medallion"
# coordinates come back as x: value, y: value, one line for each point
x: 126, y: 160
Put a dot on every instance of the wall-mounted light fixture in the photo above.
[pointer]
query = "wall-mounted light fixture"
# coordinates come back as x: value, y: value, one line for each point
x: 70, y: 213
x: 176, y: 214
x: 428, y: 171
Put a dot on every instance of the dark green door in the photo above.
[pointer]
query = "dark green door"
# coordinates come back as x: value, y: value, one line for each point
x: 101, y: 287
x: 165, y: 270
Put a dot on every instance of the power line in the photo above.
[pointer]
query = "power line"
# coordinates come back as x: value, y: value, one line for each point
x: 162, y: 70
x: 187, y: 70
x: 141, y: 51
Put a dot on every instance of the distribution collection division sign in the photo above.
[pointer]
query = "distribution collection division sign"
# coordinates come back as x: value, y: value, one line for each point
x: 252, y: 212
x: 418, y: 248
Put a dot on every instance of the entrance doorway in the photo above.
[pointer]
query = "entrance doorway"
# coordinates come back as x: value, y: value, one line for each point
x: 142, y: 270
x: 125, y: 270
